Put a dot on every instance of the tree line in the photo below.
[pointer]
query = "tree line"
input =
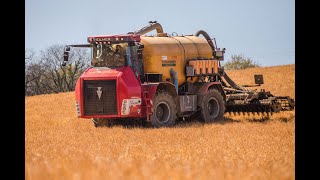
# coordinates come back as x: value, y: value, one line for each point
x: 239, y: 61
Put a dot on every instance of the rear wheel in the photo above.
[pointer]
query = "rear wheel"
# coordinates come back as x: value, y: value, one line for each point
x: 212, y: 106
x: 164, y: 110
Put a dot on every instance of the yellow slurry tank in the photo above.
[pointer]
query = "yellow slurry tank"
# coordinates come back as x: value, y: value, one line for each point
x: 160, y: 54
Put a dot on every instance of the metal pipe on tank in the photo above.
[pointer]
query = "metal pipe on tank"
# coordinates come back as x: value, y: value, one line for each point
x: 152, y: 26
x: 174, y: 77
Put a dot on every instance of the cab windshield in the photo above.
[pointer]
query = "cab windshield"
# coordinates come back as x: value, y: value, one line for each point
x: 106, y: 55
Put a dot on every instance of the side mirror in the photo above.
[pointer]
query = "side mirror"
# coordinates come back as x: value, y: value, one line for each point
x: 258, y: 79
x: 66, y: 55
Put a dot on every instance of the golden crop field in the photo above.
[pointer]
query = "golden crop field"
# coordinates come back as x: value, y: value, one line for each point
x: 61, y: 146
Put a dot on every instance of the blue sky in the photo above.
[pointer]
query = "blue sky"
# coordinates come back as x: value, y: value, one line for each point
x: 261, y: 30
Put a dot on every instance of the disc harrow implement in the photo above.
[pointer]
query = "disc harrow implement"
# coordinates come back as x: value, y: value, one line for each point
x: 241, y: 100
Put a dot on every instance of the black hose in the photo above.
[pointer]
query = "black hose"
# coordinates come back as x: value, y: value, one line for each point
x: 224, y: 75
x: 206, y: 35
x: 232, y: 83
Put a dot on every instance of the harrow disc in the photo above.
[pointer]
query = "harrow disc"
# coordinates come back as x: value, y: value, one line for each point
x: 264, y: 106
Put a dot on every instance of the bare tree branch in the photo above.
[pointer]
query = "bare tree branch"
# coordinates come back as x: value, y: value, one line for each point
x: 48, y: 75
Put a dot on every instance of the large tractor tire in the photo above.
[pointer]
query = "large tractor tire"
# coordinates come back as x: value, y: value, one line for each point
x: 164, y: 110
x: 212, y: 106
x: 100, y: 122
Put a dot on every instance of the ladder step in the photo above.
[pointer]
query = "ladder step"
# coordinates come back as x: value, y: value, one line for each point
x: 148, y: 106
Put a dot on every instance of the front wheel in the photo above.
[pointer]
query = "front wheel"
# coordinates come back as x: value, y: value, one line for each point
x: 164, y: 110
x: 100, y: 122
x: 212, y: 106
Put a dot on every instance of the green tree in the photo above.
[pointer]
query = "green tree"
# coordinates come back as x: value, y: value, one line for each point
x: 239, y: 61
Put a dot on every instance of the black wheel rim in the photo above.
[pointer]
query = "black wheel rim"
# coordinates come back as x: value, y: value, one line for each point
x: 162, y: 112
x: 213, y: 107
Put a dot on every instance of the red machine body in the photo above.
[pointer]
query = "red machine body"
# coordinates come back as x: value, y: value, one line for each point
x: 127, y: 92
x: 128, y: 96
